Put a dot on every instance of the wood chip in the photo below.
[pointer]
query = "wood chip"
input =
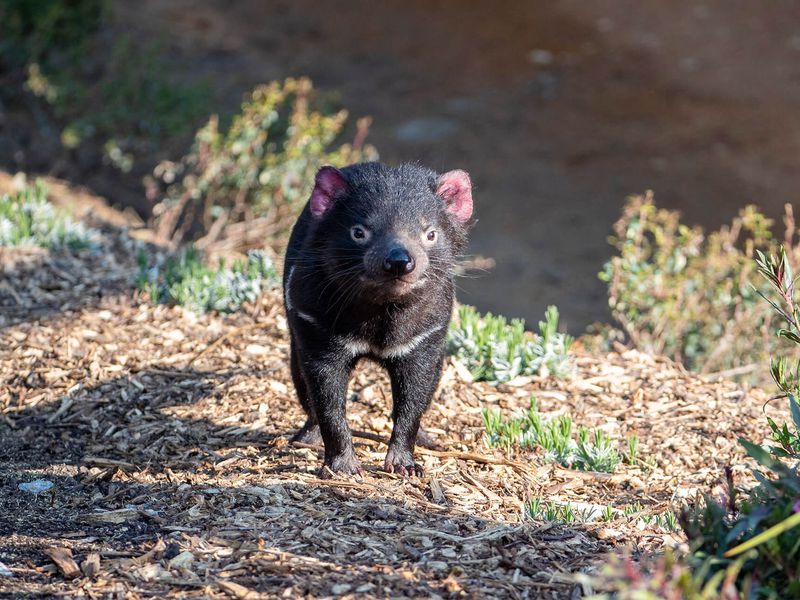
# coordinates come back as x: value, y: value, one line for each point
x: 189, y: 487
x: 62, y: 557
x: 237, y: 591
x: 91, y: 565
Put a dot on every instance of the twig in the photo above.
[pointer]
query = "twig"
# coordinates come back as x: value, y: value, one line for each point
x: 467, y: 456
x: 741, y: 370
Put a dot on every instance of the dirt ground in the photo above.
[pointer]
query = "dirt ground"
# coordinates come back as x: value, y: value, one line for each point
x: 166, y: 434
x: 559, y: 110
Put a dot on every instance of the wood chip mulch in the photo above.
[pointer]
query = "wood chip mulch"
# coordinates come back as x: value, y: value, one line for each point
x: 166, y: 437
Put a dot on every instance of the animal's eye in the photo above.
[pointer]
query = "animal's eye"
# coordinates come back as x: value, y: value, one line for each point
x: 431, y: 235
x: 359, y: 233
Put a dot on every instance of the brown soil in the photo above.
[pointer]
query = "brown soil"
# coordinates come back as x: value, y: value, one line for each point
x: 165, y: 434
x: 695, y: 100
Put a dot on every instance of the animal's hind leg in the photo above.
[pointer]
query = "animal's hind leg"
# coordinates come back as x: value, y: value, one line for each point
x: 309, y: 432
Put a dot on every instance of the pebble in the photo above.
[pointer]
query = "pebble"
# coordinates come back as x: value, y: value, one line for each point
x: 37, y: 486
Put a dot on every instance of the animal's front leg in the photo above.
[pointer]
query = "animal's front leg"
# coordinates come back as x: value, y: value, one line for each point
x: 327, y: 377
x: 414, y: 380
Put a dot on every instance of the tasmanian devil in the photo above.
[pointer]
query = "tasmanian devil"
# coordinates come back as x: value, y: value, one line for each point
x: 369, y: 273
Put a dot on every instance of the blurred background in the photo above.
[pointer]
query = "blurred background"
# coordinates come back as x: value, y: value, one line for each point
x: 559, y: 110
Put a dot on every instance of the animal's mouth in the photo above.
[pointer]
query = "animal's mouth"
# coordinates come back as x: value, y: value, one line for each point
x: 393, y: 287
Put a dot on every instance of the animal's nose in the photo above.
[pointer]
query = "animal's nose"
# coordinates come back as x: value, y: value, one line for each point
x: 398, y: 262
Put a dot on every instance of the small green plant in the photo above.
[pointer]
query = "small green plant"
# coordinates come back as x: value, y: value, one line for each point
x: 27, y: 218
x: 668, y: 521
x: 600, y: 455
x: 633, y: 509
x: 788, y: 440
x: 554, y: 437
x: 250, y: 181
x: 665, y: 520
x: 555, y: 512
x: 496, y: 350
x: 686, y: 294
x: 608, y: 513
x: 632, y: 457
x: 187, y: 281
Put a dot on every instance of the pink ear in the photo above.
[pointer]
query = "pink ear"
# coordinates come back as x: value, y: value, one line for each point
x: 456, y: 189
x: 329, y: 184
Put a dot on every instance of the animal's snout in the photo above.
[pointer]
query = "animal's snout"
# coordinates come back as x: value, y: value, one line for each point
x: 398, y: 262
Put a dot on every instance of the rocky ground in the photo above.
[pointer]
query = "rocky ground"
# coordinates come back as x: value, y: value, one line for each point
x: 166, y: 435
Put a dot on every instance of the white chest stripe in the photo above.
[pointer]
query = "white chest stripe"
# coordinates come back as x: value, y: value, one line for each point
x: 288, y: 301
x: 358, y: 347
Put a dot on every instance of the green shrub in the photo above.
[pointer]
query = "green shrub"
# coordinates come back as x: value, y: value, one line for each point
x: 554, y: 437
x: 136, y: 105
x: 124, y: 98
x: 28, y: 219
x: 764, y: 525
x: 679, y: 292
x: 747, y: 546
x: 187, y: 281
x: 258, y: 173
x: 36, y: 30
x: 495, y: 350
x: 131, y: 108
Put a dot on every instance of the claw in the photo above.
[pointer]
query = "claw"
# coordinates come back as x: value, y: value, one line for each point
x: 412, y: 470
x: 342, y: 465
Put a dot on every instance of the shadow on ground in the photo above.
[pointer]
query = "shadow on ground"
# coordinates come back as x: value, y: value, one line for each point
x: 189, y: 505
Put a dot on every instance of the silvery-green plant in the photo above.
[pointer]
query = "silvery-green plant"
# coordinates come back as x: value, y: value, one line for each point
x: 27, y: 218
x: 496, y: 350
x: 554, y: 437
x: 187, y: 281
x: 599, y: 455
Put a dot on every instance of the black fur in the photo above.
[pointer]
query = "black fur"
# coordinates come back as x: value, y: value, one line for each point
x: 344, y: 305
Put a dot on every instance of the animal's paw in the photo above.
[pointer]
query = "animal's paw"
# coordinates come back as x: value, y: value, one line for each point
x: 343, y: 464
x: 402, y: 463
x: 308, y: 434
